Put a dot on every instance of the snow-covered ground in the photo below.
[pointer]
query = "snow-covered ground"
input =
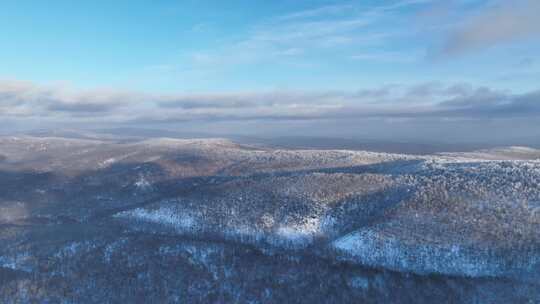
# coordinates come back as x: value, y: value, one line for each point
x: 473, y: 214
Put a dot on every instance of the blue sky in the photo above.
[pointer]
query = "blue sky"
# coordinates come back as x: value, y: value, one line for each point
x: 176, y: 46
x: 78, y: 62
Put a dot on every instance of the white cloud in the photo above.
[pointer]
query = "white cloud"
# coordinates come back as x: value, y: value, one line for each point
x: 428, y: 100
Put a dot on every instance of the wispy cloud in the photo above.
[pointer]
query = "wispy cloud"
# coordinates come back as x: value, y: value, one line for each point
x: 328, y: 10
x: 381, y: 56
x: 346, y: 28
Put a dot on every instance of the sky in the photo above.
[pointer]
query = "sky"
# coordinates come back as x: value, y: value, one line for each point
x: 402, y: 70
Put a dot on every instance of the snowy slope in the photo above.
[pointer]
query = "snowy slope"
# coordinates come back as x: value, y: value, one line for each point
x: 218, y: 211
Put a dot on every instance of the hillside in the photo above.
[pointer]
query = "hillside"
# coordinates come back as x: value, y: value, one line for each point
x: 211, y: 220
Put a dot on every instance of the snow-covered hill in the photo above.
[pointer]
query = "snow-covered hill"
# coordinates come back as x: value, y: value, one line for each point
x: 202, y: 220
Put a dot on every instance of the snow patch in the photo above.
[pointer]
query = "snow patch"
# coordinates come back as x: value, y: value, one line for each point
x: 143, y: 184
x: 368, y: 247
x: 20, y: 261
x: 304, y: 233
x: 106, y: 163
x: 163, y: 215
x: 111, y: 248
x: 359, y: 282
